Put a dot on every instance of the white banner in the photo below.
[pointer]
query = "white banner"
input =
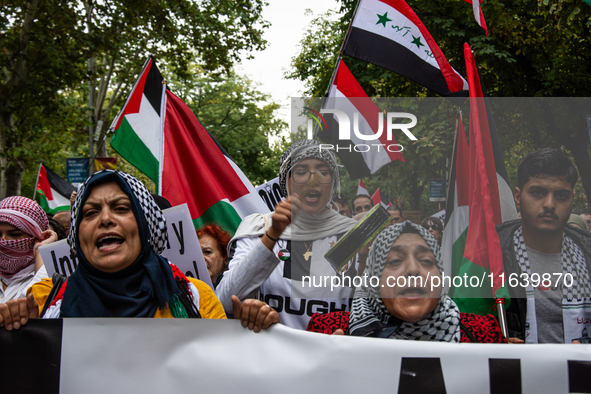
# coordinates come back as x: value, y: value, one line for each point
x: 270, y: 192
x: 216, y: 356
x: 183, y: 248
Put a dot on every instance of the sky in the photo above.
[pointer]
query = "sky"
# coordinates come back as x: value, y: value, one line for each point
x: 288, y: 24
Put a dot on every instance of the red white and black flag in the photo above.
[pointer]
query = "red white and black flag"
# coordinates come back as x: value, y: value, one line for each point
x: 389, y: 34
x: 346, y: 95
x: 478, y: 15
x: 362, y: 189
x: 379, y: 198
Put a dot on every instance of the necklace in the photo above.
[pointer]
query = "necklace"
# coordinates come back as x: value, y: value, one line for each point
x: 308, y: 252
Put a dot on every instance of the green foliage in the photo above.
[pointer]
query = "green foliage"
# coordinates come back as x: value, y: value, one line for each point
x: 241, y: 118
x: 55, y: 53
x: 532, y: 50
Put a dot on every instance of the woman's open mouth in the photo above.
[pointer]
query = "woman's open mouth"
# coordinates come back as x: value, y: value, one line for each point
x: 108, y: 242
x: 312, y: 197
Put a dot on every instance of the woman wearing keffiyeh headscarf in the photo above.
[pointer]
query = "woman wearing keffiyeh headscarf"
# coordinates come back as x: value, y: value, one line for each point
x: 391, y: 303
x: 118, y: 233
x: 23, y: 228
x: 271, y: 254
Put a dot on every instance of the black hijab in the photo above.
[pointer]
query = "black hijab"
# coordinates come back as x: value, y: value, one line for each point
x: 137, y: 290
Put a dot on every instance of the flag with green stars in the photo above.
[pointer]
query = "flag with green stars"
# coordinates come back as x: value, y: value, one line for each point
x: 389, y: 34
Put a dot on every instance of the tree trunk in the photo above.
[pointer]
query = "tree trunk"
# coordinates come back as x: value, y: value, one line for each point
x: 14, y: 178
x: 415, y: 191
x: 5, y: 126
x: 14, y: 77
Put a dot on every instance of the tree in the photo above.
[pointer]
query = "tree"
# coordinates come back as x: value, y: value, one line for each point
x: 242, y: 119
x: 51, y: 47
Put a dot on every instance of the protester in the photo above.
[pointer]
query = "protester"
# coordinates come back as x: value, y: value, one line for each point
x: 162, y: 202
x: 340, y: 205
x: 57, y: 227
x: 361, y: 203
x: 391, y: 308
x: 23, y: 228
x: 214, y: 242
x: 396, y: 213
x: 540, y: 243
x: 63, y: 218
x: 119, y: 233
x: 578, y: 222
x: 435, y: 227
x: 271, y: 254
x: 587, y: 218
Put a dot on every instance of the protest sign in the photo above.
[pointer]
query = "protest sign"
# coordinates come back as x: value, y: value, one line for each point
x: 112, y: 355
x: 270, y: 192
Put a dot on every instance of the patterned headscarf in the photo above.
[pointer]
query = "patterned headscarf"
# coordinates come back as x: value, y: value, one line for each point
x: 369, y: 316
x: 27, y: 216
x: 140, y: 288
x: 307, y: 149
x: 158, y: 236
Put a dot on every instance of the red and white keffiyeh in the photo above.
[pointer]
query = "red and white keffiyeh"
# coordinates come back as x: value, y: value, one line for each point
x: 26, y: 215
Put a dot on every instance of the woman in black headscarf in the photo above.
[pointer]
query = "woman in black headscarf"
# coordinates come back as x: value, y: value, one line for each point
x: 118, y: 233
x: 399, y: 298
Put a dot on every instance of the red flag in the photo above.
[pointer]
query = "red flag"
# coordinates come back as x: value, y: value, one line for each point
x: 361, y: 189
x: 478, y: 15
x: 482, y: 244
x: 197, y: 170
x: 345, y: 94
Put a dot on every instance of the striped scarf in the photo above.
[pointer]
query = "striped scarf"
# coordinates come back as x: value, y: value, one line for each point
x: 27, y: 216
x: 369, y: 316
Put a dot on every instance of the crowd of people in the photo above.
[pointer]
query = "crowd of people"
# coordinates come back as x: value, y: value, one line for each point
x: 117, y: 230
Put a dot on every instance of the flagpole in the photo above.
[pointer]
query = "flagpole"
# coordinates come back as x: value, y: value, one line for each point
x: 162, y: 124
x: 96, y: 154
x: 336, y: 67
x: 116, y: 119
x: 453, y: 162
x: 500, y: 304
x: 37, y: 182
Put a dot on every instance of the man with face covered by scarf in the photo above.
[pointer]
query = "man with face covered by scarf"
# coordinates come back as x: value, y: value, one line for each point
x: 270, y: 255
x: 23, y: 228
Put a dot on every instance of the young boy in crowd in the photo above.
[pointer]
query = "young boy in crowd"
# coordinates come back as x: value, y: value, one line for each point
x: 556, y: 308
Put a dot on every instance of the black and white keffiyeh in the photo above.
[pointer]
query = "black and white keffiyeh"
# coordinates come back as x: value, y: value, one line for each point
x: 573, y: 262
x: 154, y: 217
x: 304, y: 227
x: 136, y: 290
x: 369, y: 316
x: 307, y: 149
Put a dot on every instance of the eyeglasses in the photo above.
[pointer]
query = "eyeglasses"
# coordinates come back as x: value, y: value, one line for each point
x: 302, y: 176
x: 432, y: 226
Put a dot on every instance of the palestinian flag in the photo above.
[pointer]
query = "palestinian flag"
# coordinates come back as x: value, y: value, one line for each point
x: 361, y: 189
x: 54, y: 192
x: 357, y: 155
x: 478, y: 15
x: 198, y: 171
x: 377, y: 198
x: 189, y: 166
x: 389, y: 34
x: 138, y: 132
x: 458, y: 208
x: 490, y: 203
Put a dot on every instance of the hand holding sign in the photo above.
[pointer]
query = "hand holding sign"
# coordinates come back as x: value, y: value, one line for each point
x: 16, y: 313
